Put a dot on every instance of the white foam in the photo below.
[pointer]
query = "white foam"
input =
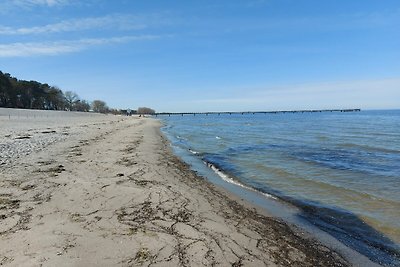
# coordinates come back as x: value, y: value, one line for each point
x: 228, y: 179
x: 193, y: 152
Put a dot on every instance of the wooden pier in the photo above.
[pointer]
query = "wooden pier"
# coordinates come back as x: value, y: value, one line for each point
x: 253, y: 112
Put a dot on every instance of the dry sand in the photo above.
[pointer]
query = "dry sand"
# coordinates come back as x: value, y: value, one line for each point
x: 92, y: 190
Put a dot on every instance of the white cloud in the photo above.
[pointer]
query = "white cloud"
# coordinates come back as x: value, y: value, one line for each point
x: 120, y: 22
x: 7, y: 6
x: 62, y: 47
x: 50, y: 3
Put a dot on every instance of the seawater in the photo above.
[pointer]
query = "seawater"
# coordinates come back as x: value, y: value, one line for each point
x: 342, y: 170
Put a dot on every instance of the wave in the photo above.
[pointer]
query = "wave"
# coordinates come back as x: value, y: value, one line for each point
x: 193, y: 152
x: 329, y: 185
x: 231, y: 180
x: 369, y: 148
x: 340, y: 161
x: 384, y: 164
x: 353, y: 160
x: 340, y: 223
x: 181, y: 138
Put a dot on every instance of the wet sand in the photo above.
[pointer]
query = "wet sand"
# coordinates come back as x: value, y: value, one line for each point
x: 106, y: 190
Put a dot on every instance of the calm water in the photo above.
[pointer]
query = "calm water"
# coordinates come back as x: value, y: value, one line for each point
x: 341, y: 169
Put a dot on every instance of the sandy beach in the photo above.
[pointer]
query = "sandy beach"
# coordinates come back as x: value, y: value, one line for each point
x: 98, y: 190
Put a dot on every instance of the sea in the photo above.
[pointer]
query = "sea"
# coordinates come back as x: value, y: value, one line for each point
x: 341, y: 170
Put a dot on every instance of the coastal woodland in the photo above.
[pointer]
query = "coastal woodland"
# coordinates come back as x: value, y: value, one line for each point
x: 15, y: 93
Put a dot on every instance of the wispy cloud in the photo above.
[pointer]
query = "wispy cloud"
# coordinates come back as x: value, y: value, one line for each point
x: 29, y: 3
x: 117, y: 22
x: 62, y: 47
x: 14, y: 7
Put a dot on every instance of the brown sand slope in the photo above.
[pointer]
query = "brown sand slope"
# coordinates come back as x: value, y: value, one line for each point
x: 110, y: 192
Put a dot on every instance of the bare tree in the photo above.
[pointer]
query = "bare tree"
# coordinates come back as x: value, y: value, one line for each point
x: 82, y: 105
x: 144, y: 110
x: 100, y: 106
x: 71, y: 98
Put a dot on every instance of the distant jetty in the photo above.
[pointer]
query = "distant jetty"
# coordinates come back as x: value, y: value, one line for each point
x: 254, y: 112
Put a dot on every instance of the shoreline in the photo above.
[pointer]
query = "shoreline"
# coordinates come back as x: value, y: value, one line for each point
x: 297, y: 215
x: 268, y: 204
x: 111, y: 192
x: 252, y: 210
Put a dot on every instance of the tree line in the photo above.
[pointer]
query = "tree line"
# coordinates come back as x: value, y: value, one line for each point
x: 15, y: 93
x: 145, y: 111
x: 23, y: 94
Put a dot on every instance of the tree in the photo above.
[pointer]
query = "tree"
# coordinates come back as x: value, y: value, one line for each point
x: 55, y: 99
x: 71, y: 98
x: 25, y: 96
x: 16, y: 93
x: 144, y: 110
x: 99, y: 106
x: 82, y: 105
x: 5, y: 90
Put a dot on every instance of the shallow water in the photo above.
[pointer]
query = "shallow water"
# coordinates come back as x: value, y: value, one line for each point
x: 341, y: 169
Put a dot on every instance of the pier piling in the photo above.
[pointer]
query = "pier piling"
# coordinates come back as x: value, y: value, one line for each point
x: 253, y: 112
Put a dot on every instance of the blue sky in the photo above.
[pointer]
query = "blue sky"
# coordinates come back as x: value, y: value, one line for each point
x: 209, y: 55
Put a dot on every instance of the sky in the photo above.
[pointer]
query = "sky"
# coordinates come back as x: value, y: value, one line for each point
x: 209, y: 55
